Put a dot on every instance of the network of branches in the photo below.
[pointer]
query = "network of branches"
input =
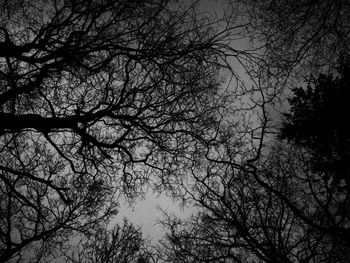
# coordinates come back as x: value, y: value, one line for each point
x: 101, y: 100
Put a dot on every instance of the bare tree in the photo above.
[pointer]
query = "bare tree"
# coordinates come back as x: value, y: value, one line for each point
x: 303, y: 35
x: 120, y: 244
x: 262, y: 200
x: 278, y: 213
x: 275, y: 201
x: 96, y: 96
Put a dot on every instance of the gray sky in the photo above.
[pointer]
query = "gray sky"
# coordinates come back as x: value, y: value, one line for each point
x: 145, y: 213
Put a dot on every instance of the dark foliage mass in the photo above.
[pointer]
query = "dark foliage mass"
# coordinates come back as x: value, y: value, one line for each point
x: 317, y: 122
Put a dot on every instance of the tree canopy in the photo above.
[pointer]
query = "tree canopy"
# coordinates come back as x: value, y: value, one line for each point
x: 292, y: 205
x: 316, y: 122
x: 100, y: 100
x: 303, y: 34
x: 96, y: 96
